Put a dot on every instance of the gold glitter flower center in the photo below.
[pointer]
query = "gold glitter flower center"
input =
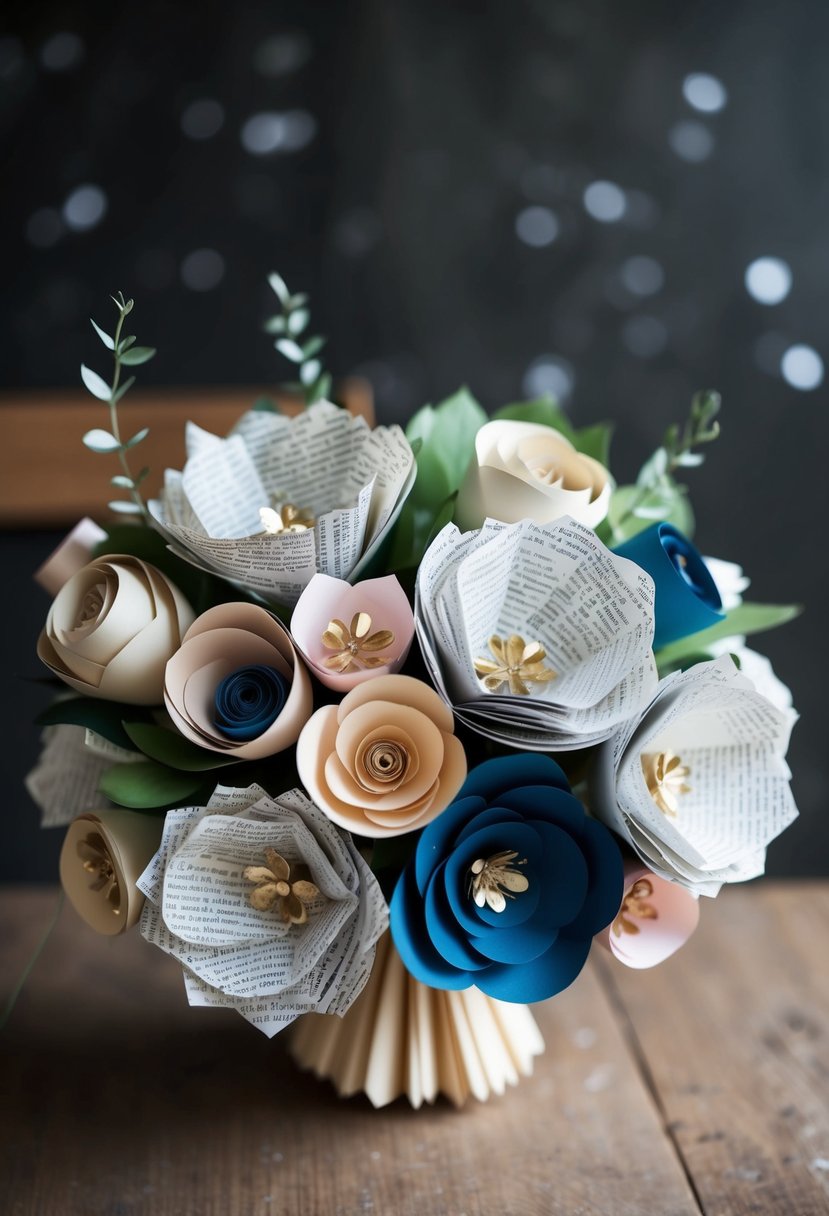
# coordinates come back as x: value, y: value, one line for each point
x: 97, y: 861
x: 286, y: 518
x: 635, y: 904
x: 281, y: 886
x: 494, y: 880
x: 517, y: 663
x: 354, y: 646
x: 665, y: 778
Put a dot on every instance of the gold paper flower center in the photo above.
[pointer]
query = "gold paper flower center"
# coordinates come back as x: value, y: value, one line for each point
x: 286, y: 518
x: 281, y: 886
x: 386, y: 761
x: 354, y: 646
x: 494, y: 880
x: 665, y: 778
x: 635, y: 904
x: 517, y: 664
x: 97, y: 861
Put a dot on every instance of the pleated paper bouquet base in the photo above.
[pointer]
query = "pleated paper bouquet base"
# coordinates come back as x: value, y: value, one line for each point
x: 401, y: 1037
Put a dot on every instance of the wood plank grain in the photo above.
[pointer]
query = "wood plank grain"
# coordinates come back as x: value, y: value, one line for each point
x: 121, y: 1099
x: 734, y: 1035
x: 48, y: 477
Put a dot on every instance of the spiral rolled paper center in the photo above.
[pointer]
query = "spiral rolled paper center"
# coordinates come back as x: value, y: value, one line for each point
x: 248, y: 701
x: 386, y: 761
x: 691, y: 569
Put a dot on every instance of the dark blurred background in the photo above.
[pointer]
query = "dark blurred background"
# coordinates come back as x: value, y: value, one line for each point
x: 617, y: 203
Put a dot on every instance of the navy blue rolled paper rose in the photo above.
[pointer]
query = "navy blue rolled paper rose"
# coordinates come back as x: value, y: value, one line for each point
x: 508, y: 885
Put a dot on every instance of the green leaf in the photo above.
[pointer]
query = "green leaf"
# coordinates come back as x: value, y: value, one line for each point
x: 278, y: 285
x: 101, y: 441
x: 137, y: 437
x: 298, y: 300
x: 298, y: 320
x: 126, y: 343
x: 595, y: 441
x: 137, y: 354
x: 123, y: 483
x: 170, y: 748
x: 313, y: 346
x: 97, y: 387
x: 148, y: 785
x: 125, y: 387
x: 104, y: 717
x: 592, y: 440
x: 744, y: 620
x: 275, y: 325
x: 624, y: 524
x: 309, y: 373
x: 122, y: 507
x: 290, y: 349
x: 108, y: 342
x: 264, y: 405
x: 448, y: 433
x: 319, y: 390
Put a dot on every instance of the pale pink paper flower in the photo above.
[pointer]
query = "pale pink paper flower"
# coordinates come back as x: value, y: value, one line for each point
x: 655, y: 919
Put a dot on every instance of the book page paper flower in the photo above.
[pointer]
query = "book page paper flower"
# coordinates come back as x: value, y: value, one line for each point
x: 551, y: 878
x: 237, y: 948
x: 236, y: 685
x: 349, y: 634
x: 522, y: 470
x: 402, y: 1038
x: 538, y: 636
x: 283, y: 498
x: 686, y: 595
x: 655, y: 919
x: 112, y: 628
x: 104, y: 854
x: 385, y: 760
x: 712, y: 825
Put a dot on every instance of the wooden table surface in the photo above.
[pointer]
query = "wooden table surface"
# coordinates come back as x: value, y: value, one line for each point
x: 700, y: 1086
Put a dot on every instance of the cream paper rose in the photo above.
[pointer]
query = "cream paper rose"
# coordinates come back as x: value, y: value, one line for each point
x: 386, y: 760
x: 111, y: 629
x: 521, y: 470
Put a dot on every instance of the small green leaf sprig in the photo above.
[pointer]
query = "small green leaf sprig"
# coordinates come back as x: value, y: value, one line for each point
x: 125, y: 354
x: 289, y: 326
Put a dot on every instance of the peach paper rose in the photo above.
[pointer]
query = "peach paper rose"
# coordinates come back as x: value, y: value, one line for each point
x: 112, y: 628
x: 386, y: 760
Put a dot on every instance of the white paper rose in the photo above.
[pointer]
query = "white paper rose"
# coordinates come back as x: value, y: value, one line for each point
x: 284, y: 498
x: 521, y: 470
x: 112, y: 628
x: 699, y: 784
x: 268, y: 906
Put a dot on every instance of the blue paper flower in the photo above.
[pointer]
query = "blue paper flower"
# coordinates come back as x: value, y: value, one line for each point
x: 250, y: 700
x: 515, y: 838
x: 686, y: 598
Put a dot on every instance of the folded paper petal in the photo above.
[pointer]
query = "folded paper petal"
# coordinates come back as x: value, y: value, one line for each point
x: 122, y: 843
x: 645, y: 936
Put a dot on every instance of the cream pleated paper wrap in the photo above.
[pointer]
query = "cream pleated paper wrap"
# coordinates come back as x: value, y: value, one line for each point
x: 403, y: 1038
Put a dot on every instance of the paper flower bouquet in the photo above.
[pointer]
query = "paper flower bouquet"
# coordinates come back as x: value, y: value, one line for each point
x: 377, y: 731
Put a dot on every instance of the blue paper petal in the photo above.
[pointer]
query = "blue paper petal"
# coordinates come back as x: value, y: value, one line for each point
x: 437, y: 837
x: 456, y: 879
x: 445, y: 934
x: 547, y: 802
x: 606, y: 870
x: 527, y: 843
x: 495, y: 814
x: 564, y: 876
x: 248, y: 701
x: 494, y: 777
x: 523, y: 983
x: 408, y: 931
x: 519, y: 945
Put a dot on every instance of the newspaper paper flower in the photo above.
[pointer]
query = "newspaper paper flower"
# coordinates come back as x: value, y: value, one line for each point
x: 687, y: 599
x: 385, y: 760
x: 521, y: 470
x: 236, y: 685
x: 654, y: 920
x: 112, y: 628
x: 706, y: 821
x: 282, y: 498
x: 236, y: 947
x: 524, y: 941
x: 348, y: 634
x: 538, y: 636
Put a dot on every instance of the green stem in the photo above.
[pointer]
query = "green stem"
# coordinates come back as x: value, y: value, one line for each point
x: 27, y: 970
x: 113, y: 416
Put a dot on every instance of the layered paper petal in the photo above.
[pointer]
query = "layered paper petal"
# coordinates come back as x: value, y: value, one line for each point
x: 72, y: 554
x: 104, y: 854
x: 655, y: 919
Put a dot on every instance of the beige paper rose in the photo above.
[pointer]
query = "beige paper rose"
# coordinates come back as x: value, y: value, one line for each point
x: 521, y: 470
x: 237, y: 685
x: 386, y: 760
x: 103, y: 855
x: 111, y: 629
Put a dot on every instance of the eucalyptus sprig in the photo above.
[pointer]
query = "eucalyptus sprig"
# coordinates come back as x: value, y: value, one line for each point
x: 125, y: 354
x: 657, y: 495
x: 290, y: 325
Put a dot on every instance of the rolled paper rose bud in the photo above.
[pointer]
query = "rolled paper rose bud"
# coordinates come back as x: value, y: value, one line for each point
x: 655, y: 918
x: 687, y: 598
x: 521, y: 470
x: 237, y: 685
x: 386, y: 760
x: 348, y: 634
x: 71, y: 555
x: 112, y: 628
x: 104, y: 853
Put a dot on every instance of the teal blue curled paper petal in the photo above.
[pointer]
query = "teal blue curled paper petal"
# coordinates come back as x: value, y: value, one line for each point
x: 687, y: 598
x: 537, y: 944
x: 248, y: 701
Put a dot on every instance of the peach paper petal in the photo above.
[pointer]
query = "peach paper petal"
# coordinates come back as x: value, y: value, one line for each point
x: 404, y: 690
x: 72, y: 554
x: 426, y: 740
